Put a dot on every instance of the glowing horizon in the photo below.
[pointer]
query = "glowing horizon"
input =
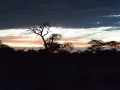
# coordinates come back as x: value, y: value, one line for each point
x: 78, y: 36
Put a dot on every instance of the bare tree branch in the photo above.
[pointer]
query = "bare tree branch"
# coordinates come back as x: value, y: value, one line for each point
x: 40, y: 31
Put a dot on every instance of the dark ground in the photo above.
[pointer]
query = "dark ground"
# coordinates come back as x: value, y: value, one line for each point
x: 60, y: 72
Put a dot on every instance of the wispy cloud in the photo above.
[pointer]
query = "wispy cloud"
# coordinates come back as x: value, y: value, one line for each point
x: 111, y: 16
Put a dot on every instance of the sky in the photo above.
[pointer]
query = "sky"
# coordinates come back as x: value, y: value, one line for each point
x: 78, y: 21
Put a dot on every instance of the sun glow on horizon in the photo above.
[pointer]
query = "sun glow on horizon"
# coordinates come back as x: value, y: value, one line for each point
x: 79, y: 37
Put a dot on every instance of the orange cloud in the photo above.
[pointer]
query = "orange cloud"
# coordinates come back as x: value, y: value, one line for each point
x: 20, y: 41
x: 80, y: 44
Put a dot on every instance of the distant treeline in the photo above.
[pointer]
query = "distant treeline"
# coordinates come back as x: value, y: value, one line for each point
x: 97, y: 46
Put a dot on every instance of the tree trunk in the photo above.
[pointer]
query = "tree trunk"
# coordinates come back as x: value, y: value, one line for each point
x: 45, y: 45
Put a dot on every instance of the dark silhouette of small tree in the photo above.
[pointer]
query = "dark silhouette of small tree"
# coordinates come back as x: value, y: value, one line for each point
x: 67, y: 47
x: 112, y: 45
x: 53, y: 38
x: 4, y: 48
x: 42, y: 30
x: 96, y: 45
x: 52, y: 43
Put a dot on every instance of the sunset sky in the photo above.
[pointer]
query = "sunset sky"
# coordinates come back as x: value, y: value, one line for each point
x: 78, y: 21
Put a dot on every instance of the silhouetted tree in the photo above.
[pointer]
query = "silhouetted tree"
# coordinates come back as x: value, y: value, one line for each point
x: 53, y: 38
x: 112, y: 45
x: 4, y: 48
x: 52, y: 43
x: 42, y: 30
x: 66, y: 47
x: 96, y: 45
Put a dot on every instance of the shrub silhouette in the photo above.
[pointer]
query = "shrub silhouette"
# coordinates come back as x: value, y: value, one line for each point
x: 96, y: 45
x: 5, y: 49
x: 52, y: 43
x: 112, y: 45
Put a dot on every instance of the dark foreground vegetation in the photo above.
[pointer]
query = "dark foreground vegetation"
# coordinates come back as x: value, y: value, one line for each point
x: 35, y: 70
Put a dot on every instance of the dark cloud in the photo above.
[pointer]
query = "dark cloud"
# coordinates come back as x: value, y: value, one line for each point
x: 64, y: 13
